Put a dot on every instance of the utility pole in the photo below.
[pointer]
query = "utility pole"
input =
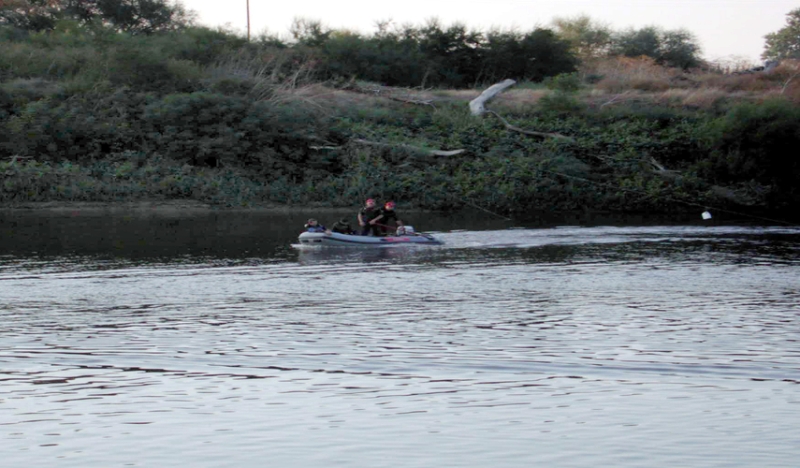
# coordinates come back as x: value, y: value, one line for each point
x: 248, y: 20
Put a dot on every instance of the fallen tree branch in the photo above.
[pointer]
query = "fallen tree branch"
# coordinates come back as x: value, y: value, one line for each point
x: 319, y: 148
x: 411, y: 147
x: 656, y: 164
x: 617, y: 98
x: 529, y: 132
x: 418, y: 102
x: 405, y: 97
x: 446, y: 153
x: 786, y: 83
x: 476, y: 106
x: 718, y: 190
x: 417, y: 149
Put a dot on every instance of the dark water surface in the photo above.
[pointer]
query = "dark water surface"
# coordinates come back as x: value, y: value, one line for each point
x: 206, y: 339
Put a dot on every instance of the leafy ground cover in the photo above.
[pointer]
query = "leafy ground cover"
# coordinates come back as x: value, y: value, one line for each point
x: 197, y: 114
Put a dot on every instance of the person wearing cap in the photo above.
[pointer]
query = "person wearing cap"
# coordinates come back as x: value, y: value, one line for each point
x: 387, y: 219
x: 342, y: 227
x: 366, y: 214
x: 313, y: 226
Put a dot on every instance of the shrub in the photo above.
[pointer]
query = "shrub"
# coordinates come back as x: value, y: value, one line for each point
x: 756, y: 142
x: 651, y: 85
x: 564, y: 82
x: 560, y: 103
x: 22, y: 91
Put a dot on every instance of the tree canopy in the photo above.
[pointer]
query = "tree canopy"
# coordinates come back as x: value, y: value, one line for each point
x: 131, y: 16
x: 434, y: 54
x: 673, y: 48
x: 587, y: 38
x: 785, y: 42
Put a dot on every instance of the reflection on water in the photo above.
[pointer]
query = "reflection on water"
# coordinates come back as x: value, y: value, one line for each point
x: 212, y: 342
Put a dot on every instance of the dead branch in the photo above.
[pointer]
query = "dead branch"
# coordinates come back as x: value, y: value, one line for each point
x: 324, y: 148
x: 529, y: 132
x: 719, y: 191
x: 662, y: 171
x: 418, y: 102
x: 476, y: 106
x: 786, y: 83
x: 657, y: 165
x: 429, y: 152
x: 403, y: 95
x: 617, y: 98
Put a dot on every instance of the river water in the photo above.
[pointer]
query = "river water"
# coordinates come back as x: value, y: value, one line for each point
x: 207, y: 340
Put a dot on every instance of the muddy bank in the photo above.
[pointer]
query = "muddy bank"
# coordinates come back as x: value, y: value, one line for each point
x: 161, y: 206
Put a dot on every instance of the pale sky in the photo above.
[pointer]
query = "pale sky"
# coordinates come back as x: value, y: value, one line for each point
x: 725, y: 28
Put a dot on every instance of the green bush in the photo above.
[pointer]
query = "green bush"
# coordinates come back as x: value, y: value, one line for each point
x: 756, y: 142
x: 560, y: 103
x: 564, y: 82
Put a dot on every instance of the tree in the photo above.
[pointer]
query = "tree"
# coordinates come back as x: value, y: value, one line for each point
x: 308, y: 32
x: 678, y: 48
x: 543, y: 54
x: 30, y: 15
x: 785, y: 42
x: 587, y: 38
x: 453, y: 54
x: 132, y: 16
x: 532, y: 56
x: 636, y: 43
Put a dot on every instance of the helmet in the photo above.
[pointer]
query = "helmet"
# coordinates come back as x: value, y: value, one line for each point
x: 389, y: 205
x: 370, y: 201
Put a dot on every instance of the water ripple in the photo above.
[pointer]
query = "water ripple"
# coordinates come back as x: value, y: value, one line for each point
x: 463, y: 355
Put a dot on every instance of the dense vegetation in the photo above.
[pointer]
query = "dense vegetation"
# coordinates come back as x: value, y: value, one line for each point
x: 785, y: 42
x: 106, y: 109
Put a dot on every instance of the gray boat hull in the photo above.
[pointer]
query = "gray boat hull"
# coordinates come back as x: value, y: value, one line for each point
x: 345, y: 240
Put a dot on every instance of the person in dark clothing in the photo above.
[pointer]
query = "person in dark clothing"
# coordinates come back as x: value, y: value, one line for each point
x: 387, y: 220
x: 342, y: 227
x: 313, y: 226
x: 366, y: 214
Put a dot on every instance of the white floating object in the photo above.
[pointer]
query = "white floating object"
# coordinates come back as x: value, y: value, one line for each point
x: 706, y: 215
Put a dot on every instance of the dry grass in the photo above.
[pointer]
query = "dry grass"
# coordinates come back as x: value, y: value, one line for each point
x: 624, y: 81
x: 517, y: 101
x: 623, y: 73
x: 703, y: 98
x: 734, y: 83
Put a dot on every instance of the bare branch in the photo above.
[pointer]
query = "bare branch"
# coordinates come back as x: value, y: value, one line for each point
x: 786, y: 83
x: 411, y: 147
x: 476, y: 106
x: 615, y: 99
x: 403, y: 95
x: 529, y: 132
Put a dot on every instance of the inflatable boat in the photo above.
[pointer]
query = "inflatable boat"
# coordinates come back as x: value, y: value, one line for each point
x: 347, y: 240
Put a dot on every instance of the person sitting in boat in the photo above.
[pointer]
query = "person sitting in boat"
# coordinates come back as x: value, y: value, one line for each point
x: 342, y: 227
x: 366, y: 214
x: 387, y: 220
x: 314, y: 226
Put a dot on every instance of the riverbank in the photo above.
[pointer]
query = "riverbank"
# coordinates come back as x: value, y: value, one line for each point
x: 158, y: 206
x: 138, y: 206
x: 619, y: 135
